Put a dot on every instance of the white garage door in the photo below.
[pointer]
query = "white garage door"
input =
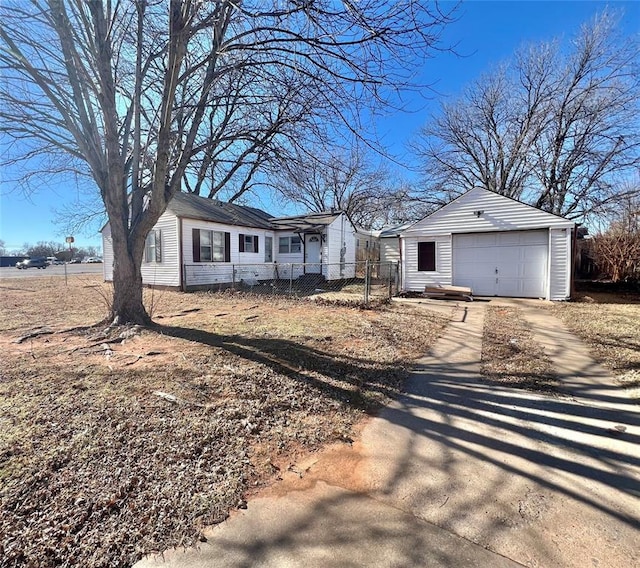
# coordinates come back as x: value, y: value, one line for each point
x: 511, y: 263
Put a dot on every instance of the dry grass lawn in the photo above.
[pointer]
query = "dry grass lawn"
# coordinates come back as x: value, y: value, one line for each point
x: 510, y: 355
x: 120, y: 443
x: 610, y: 324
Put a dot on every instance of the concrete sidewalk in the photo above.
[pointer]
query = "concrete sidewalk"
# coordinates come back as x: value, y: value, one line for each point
x: 456, y: 473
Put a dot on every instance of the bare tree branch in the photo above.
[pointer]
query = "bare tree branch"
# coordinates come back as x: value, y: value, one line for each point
x: 556, y: 128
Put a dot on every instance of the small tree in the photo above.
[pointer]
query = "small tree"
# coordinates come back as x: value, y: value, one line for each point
x: 616, y: 251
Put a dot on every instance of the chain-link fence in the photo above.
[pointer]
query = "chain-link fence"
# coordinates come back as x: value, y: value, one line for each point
x: 359, y: 281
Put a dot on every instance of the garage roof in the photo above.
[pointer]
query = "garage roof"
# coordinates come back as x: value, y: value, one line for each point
x: 480, y: 210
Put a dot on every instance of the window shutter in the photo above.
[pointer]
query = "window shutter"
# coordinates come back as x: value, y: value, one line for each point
x: 227, y: 247
x: 241, y: 242
x: 158, y: 237
x: 195, y: 238
x: 255, y: 244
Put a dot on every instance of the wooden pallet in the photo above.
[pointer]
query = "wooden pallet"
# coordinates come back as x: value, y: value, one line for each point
x: 449, y: 292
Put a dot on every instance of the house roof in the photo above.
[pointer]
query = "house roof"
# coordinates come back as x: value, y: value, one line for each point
x: 188, y: 205
x: 394, y: 230
x: 196, y: 207
x: 306, y: 223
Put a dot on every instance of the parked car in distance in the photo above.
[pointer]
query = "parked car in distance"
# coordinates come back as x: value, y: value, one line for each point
x: 52, y: 260
x: 93, y: 260
x: 75, y: 261
x: 32, y: 263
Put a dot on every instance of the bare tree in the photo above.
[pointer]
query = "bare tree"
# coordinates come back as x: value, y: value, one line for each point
x: 142, y: 95
x: 485, y: 138
x: 347, y: 179
x: 555, y: 128
x: 44, y: 248
x: 321, y: 180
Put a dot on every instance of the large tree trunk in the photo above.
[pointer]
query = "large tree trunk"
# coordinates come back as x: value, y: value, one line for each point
x: 127, y: 306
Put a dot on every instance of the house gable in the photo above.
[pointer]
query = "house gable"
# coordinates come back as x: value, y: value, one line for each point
x: 480, y: 210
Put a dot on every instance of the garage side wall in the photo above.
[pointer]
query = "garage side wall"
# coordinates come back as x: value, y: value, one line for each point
x: 560, y: 264
x: 415, y: 281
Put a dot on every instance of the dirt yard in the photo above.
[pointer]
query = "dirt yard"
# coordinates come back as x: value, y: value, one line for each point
x: 120, y: 443
x: 610, y: 324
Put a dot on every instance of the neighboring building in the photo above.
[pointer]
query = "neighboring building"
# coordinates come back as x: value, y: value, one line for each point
x: 199, y: 243
x: 389, y: 243
x: 367, y: 245
x: 494, y: 244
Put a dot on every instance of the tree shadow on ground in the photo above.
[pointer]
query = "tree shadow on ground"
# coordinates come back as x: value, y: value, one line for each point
x: 485, y: 461
x: 351, y: 380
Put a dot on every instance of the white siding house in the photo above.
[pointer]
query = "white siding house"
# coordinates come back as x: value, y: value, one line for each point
x: 328, y: 243
x: 198, y: 243
x: 496, y: 245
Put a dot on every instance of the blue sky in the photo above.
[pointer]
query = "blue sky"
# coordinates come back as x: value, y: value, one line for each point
x: 486, y: 33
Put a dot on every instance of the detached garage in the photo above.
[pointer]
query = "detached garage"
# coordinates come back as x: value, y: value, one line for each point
x: 495, y: 245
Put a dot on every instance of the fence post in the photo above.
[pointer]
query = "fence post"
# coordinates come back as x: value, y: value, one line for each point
x: 290, y: 279
x: 367, y: 281
x: 389, y: 268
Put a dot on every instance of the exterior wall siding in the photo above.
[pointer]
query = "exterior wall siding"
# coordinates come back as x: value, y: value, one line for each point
x: 390, y: 249
x: 204, y: 273
x: 499, y: 213
x: 414, y: 281
x: 560, y: 264
x: 166, y: 272
x: 340, y: 233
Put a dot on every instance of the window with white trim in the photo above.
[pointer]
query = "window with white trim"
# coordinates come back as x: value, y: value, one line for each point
x: 153, y: 246
x: 427, y: 256
x: 248, y: 243
x: 289, y: 245
x: 268, y: 249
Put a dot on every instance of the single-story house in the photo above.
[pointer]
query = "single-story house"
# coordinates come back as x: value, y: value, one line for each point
x: 496, y: 245
x: 199, y: 242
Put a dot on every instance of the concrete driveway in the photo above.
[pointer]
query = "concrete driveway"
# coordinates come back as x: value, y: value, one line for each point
x: 459, y: 473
